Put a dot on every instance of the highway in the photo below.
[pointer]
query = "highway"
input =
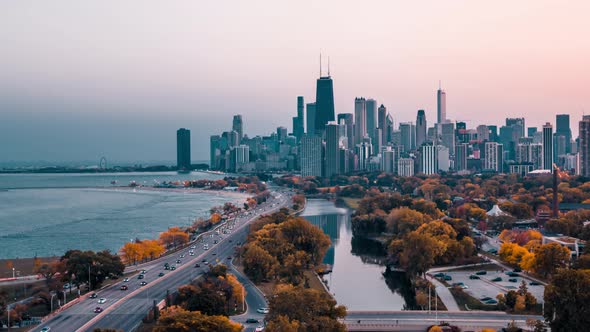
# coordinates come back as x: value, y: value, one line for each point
x: 124, y: 309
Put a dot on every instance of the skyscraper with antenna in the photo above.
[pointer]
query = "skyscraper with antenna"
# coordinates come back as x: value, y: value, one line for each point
x: 441, y: 101
x: 324, y: 100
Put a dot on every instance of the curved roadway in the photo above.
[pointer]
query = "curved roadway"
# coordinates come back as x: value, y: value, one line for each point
x: 124, y: 310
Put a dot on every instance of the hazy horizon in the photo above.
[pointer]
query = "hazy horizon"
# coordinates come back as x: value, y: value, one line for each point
x: 81, y: 80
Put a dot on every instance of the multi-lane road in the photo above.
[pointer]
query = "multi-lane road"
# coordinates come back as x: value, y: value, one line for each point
x: 124, y: 309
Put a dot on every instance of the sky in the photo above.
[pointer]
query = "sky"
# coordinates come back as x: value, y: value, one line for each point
x: 85, y: 79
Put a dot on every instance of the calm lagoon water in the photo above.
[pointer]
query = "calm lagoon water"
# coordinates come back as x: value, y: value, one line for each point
x: 48, y: 214
x: 357, y: 279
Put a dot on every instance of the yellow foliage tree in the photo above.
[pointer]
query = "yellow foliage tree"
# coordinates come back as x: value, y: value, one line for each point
x: 435, y: 328
x: 215, y: 218
x: 174, y: 236
x: 132, y: 252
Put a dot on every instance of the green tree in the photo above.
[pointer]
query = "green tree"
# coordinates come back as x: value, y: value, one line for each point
x: 566, y: 301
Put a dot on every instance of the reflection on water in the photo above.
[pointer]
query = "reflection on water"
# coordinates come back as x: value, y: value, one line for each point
x: 357, y: 279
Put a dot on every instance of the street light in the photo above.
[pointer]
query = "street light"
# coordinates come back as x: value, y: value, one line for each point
x: 52, y: 295
x: 13, y: 276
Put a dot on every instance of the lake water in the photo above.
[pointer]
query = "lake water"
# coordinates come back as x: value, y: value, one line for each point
x: 357, y: 279
x: 48, y: 214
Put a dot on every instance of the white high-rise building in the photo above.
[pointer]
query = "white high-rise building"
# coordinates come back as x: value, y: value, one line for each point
x: 388, y: 160
x: 428, y: 159
x: 441, y: 110
x: 405, y: 167
x: 493, y: 156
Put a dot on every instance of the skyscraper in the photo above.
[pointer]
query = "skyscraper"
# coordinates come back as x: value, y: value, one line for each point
x: 448, y: 135
x: 428, y: 159
x: 389, y: 126
x: 584, y: 149
x: 332, y: 150
x: 311, y: 155
x: 238, y: 127
x: 562, y: 127
x: 518, y: 126
x: 347, y: 120
x: 441, y: 108
x: 406, y: 136
x: 311, y: 111
x: 461, y: 157
x: 183, y: 149
x: 371, y: 118
x: 324, y: 100
x: 360, y: 119
x: 214, y: 151
x: 420, y: 128
x: 298, y: 126
x: 483, y: 133
x: 382, y: 123
x: 548, y: 146
x: 493, y: 157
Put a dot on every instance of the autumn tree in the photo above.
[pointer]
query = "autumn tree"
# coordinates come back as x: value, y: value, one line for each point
x: 176, y: 319
x: 173, y: 237
x: 549, y: 257
x: 405, y: 220
x: 283, y: 324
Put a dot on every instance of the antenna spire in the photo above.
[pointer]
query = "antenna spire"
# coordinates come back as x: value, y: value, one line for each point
x: 439, y: 85
x: 320, y: 64
x: 328, y: 66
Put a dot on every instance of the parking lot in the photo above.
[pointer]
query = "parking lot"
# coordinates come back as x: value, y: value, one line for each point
x: 485, y: 287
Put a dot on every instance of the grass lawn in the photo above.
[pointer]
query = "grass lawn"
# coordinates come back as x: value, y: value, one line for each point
x: 472, y: 303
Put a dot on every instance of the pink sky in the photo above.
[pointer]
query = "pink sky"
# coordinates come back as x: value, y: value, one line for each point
x: 211, y: 59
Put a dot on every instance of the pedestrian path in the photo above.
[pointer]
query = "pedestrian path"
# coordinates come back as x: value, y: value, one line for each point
x: 444, y: 294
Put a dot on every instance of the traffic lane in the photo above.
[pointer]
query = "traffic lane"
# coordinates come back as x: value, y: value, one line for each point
x: 444, y: 315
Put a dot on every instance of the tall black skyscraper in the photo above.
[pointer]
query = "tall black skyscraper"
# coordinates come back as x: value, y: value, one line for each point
x: 298, y: 126
x: 420, y: 128
x: 183, y: 149
x: 324, y: 100
x: 238, y: 127
x: 562, y: 122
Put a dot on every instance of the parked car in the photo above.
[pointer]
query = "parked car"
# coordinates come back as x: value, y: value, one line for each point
x: 447, y: 278
x: 178, y: 261
x: 491, y: 302
x: 473, y: 276
x: 518, y: 269
x: 46, y: 329
x: 512, y: 274
x: 439, y: 275
x: 513, y: 280
x: 481, y: 273
x: 496, y: 279
x: 534, y: 283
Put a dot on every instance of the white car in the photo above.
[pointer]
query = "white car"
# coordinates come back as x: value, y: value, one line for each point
x: 263, y: 310
x: 259, y: 328
x: 102, y: 300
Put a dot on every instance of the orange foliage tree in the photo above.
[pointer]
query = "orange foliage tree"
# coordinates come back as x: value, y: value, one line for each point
x: 173, y: 237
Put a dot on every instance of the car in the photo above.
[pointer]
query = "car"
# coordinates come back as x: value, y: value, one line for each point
x: 259, y: 328
x: 124, y: 287
x: 496, y: 279
x: 448, y: 278
x: 534, y: 283
x: 493, y: 251
x: 173, y: 268
x: 458, y: 284
x: 93, y: 296
x: 102, y: 300
x: 97, y: 310
x: 178, y: 261
x: 167, y: 268
x: 143, y: 271
x: 166, y: 264
x: 182, y: 256
x: 229, y: 257
x: 215, y: 242
x: 46, y: 329
x: 197, y: 265
x: 161, y: 274
x: 486, y: 298
x: 491, y: 301
x: 518, y: 269
x: 126, y: 280
x: 143, y: 283
x: 203, y: 260
x: 263, y: 310
x: 513, y: 280
x: 473, y: 276
x: 252, y: 321
x: 481, y: 273
x: 439, y: 275
x: 67, y: 286
x: 512, y: 274
x: 214, y: 253
x: 191, y: 253
x: 230, y: 240
x: 140, y: 276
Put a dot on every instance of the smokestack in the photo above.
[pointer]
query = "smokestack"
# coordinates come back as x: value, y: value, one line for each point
x: 555, y: 203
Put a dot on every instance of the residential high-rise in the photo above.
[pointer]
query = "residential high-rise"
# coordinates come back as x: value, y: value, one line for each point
x: 332, y: 150
x: 183, y: 149
x: 311, y: 155
x: 324, y: 100
x: 405, y: 167
x: 360, y: 119
x: 483, y: 133
x: 311, y: 111
x: 238, y: 127
x: 420, y: 127
x: 406, y: 136
x: 448, y: 135
x: 363, y: 152
x: 347, y: 119
x: 388, y: 159
x: 242, y: 156
x: 442, y: 157
x: 461, y: 156
x: 548, y: 146
x: 371, y: 118
x: 493, y: 157
x: 428, y: 159
x: 441, y: 106
x: 584, y: 147
x: 298, y: 126
x: 382, y: 123
x: 562, y: 127
x: 214, y: 151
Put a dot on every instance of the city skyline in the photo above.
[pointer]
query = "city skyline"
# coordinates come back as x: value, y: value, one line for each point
x: 95, y: 90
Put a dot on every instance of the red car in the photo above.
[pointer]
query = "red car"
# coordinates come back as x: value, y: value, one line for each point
x: 124, y: 287
x: 97, y: 310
